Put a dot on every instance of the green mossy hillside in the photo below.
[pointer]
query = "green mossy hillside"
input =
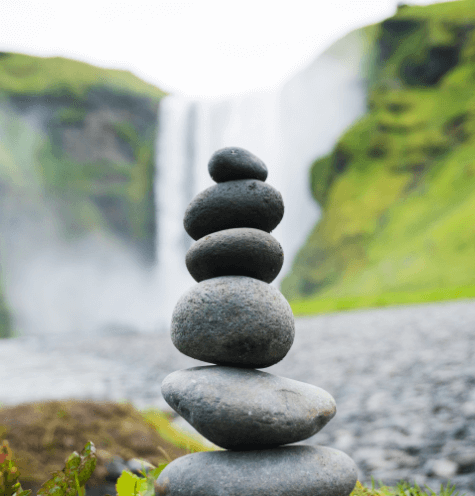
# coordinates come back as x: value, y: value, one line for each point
x: 57, y: 77
x: 398, y: 191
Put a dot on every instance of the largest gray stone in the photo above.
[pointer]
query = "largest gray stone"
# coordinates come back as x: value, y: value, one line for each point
x: 233, y: 320
x: 285, y: 471
x: 246, y: 409
x: 243, y: 203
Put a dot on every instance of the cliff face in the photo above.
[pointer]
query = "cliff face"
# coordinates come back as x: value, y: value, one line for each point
x: 398, y: 190
x: 78, y: 144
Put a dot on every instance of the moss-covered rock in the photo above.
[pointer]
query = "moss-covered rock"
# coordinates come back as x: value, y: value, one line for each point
x: 398, y: 191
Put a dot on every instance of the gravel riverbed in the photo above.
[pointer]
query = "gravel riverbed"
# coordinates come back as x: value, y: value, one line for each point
x: 403, y: 379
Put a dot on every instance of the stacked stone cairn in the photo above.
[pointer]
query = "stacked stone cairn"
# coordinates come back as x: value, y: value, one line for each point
x: 235, y: 319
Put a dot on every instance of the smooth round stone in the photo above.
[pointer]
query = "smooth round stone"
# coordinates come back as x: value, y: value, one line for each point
x: 244, y: 203
x: 246, y: 409
x: 236, y: 252
x: 285, y: 471
x: 233, y: 320
x: 229, y: 164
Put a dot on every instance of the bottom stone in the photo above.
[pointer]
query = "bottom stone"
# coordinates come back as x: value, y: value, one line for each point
x: 284, y: 471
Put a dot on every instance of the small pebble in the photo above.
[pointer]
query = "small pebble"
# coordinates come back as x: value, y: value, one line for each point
x: 442, y: 468
x: 138, y: 465
x: 115, y: 467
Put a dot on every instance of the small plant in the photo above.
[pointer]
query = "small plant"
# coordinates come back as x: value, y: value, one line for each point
x: 9, y: 474
x: 72, y: 479
x: 129, y: 484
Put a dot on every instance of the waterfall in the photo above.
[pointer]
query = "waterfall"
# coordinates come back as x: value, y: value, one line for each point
x: 173, y: 188
x: 96, y: 285
x: 288, y: 128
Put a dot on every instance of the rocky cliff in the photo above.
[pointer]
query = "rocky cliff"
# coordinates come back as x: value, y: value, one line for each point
x: 77, y: 147
x: 398, y: 190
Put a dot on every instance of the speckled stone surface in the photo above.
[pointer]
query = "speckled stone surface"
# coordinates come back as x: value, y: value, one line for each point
x: 285, y: 471
x: 236, y: 252
x: 232, y: 163
x: 246, y: 409
x: 243, y: 203
x: 233, y: 320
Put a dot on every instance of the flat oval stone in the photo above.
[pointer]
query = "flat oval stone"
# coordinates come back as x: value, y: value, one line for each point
x: 236, y: 252
x: 232, y: 163
x: 246, y: 409
x: 244, y: 203
x: 285, y: 471
x: 233, y: 320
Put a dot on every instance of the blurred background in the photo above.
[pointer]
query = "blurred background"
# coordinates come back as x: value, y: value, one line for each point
x: 363, y: 112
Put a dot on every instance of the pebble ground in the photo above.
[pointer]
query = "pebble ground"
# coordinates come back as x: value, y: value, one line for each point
x: 403, y: 379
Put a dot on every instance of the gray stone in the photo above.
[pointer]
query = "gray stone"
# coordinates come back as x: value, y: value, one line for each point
x: 115, y: 467
x: 233, y: 320
x: 285, y: 471
x: 442, y: 468
x: 465, y: 461
x: 236, y: 252
x: 138, y: 465
x: 246, y: 409
x: 232, y: 163
x: 244, y: 203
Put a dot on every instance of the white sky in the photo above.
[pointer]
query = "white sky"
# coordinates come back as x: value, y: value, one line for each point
x: 206, y: 48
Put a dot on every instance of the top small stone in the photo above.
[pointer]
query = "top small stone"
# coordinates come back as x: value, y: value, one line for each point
x: 232, y: 163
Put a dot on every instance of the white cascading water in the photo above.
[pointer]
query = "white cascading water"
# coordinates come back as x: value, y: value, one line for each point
x: 172, y: 180
x: 287, y: 128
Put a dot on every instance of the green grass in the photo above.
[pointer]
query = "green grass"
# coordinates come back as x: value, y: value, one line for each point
x: 180, y: 438
x: 312, y: 306
x: 29, y: 75
x: 402, y: 489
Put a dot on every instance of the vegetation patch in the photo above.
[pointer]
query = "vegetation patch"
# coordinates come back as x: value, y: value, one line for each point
x: 42, y: 435
x: 22, y: 74
x: 398, y: 191
x: 312, y: 306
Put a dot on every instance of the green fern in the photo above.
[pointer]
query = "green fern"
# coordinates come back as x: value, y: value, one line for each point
x: 73, y: 477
